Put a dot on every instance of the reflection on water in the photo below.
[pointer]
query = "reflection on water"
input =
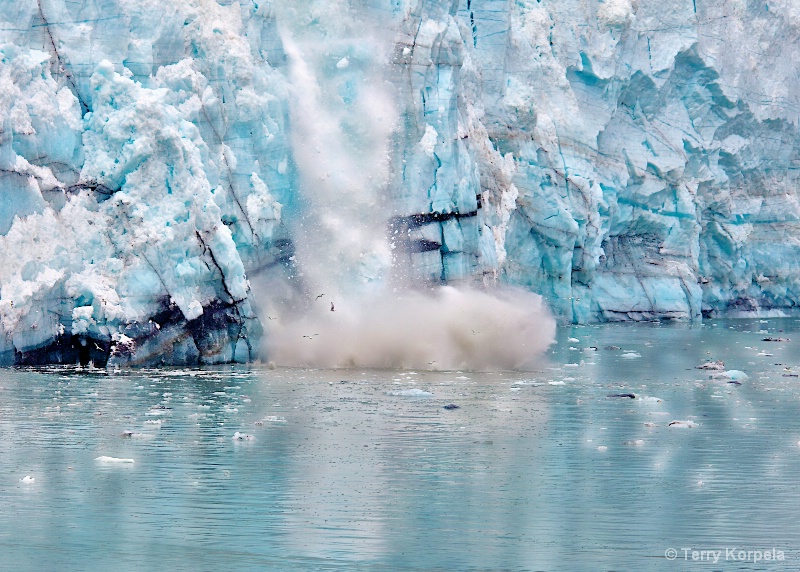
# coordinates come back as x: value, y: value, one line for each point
x: 367, y: 470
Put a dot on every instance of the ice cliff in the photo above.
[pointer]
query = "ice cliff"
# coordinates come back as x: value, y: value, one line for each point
x: 627, y: 160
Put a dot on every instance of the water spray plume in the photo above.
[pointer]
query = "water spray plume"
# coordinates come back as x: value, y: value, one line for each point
x: 348, y: 307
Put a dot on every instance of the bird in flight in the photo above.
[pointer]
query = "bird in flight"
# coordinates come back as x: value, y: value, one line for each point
x: 318, y: 297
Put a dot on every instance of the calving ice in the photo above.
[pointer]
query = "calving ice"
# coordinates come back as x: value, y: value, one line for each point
x: 731, y: 554
x: 180, y: 183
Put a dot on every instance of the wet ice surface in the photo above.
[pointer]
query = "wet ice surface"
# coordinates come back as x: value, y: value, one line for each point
x: 342, y: 470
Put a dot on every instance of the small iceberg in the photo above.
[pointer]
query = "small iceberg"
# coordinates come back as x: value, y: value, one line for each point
x: 718, y: 365
x: 731, y: 374
x: 736, y: 375
x: 27, y: 479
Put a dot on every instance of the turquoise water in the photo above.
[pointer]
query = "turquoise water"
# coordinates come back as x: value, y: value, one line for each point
x: 364, y: 470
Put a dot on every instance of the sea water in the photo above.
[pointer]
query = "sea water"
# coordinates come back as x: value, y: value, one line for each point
x: 252, y: 468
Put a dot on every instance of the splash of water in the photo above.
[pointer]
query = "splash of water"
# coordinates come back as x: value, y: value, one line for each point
x: 447, y: 328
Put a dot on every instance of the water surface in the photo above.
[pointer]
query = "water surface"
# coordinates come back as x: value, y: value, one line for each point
x: 367, y: 470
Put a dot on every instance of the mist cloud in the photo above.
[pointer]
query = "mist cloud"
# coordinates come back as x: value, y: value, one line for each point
x: 443, y: 329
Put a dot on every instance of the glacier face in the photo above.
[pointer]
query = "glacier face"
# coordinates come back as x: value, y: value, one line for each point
x: 627, y: 160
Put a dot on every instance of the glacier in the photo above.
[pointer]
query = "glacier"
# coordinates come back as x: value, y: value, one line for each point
x: 166, y: 166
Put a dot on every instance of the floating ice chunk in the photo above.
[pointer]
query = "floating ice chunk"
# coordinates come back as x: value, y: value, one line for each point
x: 413, y: 392
x: 573, y: 340
x: 556, y: 383
x: 631, y: 355
x: 27, y: 479
x: 242, y: 437
x: 274, y: 419
x: 602, y: 448
x: 634, y: 442
x: 134, y: 435
x: 343, y: 63
x: 105, y: 459
x: 718, y: 365
x: 732, y: 374
x: 156, y: 422
x: 683, y: 424
x: 532, y: 382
